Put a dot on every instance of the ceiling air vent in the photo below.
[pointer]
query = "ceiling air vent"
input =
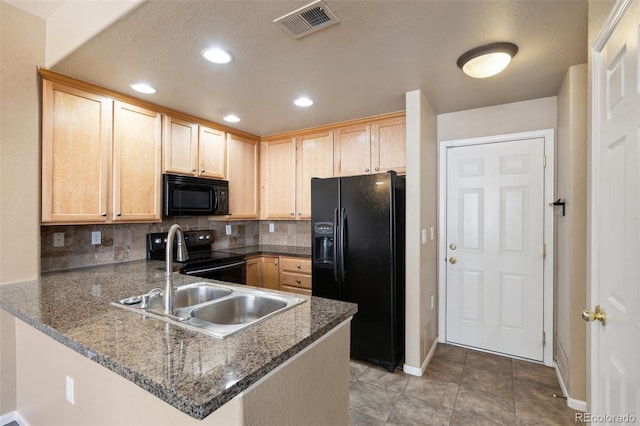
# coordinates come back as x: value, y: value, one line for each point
x: 306, y: 20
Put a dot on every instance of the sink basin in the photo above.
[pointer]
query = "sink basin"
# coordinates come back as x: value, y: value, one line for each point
x: 238, y: 309
x: 191, y: 295
x: 215, y: 309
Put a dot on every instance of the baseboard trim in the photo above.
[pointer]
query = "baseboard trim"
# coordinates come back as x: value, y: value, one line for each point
x: 13, y: 416
x: 415, y: 371
x: 576, y: 404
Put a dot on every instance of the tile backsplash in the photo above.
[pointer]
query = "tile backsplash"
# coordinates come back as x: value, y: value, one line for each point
x: 125, y: 242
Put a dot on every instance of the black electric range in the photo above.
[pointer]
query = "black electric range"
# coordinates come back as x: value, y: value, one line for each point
x: 202, y: 262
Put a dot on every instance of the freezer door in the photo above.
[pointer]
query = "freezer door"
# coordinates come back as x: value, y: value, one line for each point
x: 324, y: 208
x: 369, y: 277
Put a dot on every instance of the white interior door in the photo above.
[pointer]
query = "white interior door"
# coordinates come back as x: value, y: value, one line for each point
x: 615, y: 232
x: 495, y: 237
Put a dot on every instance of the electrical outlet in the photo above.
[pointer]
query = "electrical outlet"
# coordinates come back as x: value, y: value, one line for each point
x: 96, y: 237
x: 272, y: 227
x: 228, y: 229
x: 424, y: 236
x: 69, y: 388
x: 58, y: 239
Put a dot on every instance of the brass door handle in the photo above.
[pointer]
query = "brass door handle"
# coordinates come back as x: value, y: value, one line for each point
x: 599, y: 315
x: 453, y: 260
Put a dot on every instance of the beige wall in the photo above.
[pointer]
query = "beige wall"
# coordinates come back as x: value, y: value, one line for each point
x: 22, y: 38
x: 571, y: 241
x: 421, y: 207
x: 515, y: 117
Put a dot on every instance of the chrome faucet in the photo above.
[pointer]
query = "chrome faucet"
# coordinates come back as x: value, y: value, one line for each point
x: 168, y: 300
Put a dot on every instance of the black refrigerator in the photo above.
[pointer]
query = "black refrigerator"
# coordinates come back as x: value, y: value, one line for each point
x: 358, y: 246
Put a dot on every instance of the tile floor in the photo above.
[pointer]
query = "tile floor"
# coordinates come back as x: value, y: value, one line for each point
x: 460, y: 387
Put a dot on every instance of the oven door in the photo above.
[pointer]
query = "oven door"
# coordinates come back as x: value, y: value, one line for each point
x: 234, y: 272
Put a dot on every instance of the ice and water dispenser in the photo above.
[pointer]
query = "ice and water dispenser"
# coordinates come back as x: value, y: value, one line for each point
x: 323, y: 244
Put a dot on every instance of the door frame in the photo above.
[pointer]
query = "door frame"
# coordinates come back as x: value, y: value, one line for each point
x: 549, y: 196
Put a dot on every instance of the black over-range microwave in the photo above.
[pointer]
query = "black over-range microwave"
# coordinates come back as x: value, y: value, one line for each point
x: 192, y: 196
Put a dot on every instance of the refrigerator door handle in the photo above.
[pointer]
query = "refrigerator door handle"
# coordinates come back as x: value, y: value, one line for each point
x: 335, y: 245
x: 343, y: 225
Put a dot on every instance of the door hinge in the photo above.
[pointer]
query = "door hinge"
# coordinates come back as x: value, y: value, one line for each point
x: 544, y: 162
x: 544, y: 338
x: 544, y: 250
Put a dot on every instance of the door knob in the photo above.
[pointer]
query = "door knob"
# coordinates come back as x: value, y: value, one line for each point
x: 453, y: 260
x: 599, y: 315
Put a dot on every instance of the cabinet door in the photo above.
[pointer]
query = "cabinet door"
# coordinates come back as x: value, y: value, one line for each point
x: 270, y: 272
x: 76, y: 153
x: 315, y: 159
x: 137, y: 177
x: 388, y: 146
x: 242, y: 166
x: 278, y: 179
x: 353, y: 150
x: 212, y: 151
x: 253, y: 272
x: 180, y: 141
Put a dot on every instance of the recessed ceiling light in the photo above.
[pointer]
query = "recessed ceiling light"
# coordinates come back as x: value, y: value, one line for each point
x: 231, y: 118
x: 142, y: 88
x: 217, y: 55
x: 488, y: 60
x: 303, y: 101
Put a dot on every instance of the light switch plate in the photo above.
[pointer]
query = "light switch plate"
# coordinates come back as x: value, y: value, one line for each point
x: 271, y: 227
x: 96, y: 237
x: 228, y: 229
x: 424, y: 236
x: 69, y: 390
x: 58, y: 239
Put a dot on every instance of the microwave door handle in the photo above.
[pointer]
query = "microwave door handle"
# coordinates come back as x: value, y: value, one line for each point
x: 215, y: 200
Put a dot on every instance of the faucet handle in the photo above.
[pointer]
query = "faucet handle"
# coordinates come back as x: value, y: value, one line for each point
x: 144, y: 299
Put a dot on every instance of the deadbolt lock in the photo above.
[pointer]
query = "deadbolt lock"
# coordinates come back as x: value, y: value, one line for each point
x: 453, y: 246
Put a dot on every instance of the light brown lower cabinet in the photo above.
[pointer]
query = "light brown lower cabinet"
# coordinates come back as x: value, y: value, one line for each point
x: 295, y: 275
x: 292, y: 274
x: 262, y: 271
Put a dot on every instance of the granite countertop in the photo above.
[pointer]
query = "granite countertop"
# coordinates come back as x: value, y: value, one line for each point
x: 193, y: 372
x: 275, y: 250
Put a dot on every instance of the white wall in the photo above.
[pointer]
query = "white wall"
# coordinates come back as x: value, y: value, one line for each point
x: 421, y: 213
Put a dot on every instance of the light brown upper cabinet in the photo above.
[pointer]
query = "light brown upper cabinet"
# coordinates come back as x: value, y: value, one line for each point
x: 100, y: 158
x: 371, y: 147
x: 137, y: 177
x: 212, y: 153
x: 287, y: 166
x: 193, y: 150
x: 242, y: 173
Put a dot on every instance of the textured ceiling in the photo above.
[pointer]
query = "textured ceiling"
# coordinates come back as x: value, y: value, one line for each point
x: 360, y: 67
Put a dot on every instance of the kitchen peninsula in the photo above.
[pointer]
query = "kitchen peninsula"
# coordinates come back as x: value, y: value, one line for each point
x: 292, y: 368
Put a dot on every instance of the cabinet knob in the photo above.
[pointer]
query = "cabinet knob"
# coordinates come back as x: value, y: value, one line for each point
x: 118, y: 214
x: 104, y: 214
x: 202, y: 171
x: 377, y: 168
x: 293, y: 214
x: 299, y: 213
x: 298, y: 266
x: 298, y: 281
x: 193, y: 170
x: 366, y: 170
x: 275, y: 262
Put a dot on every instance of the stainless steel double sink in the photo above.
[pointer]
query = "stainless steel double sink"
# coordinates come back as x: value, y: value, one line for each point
x: 214, y: 309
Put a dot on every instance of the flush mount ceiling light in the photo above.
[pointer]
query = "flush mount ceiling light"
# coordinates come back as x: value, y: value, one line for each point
x: 231, y: 118
x: 303, y: 101
x: 487, y: 60
x: 217, y: 55
x: 142, y: 88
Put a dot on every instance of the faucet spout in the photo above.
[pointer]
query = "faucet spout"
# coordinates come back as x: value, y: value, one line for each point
x: 169, y: 296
